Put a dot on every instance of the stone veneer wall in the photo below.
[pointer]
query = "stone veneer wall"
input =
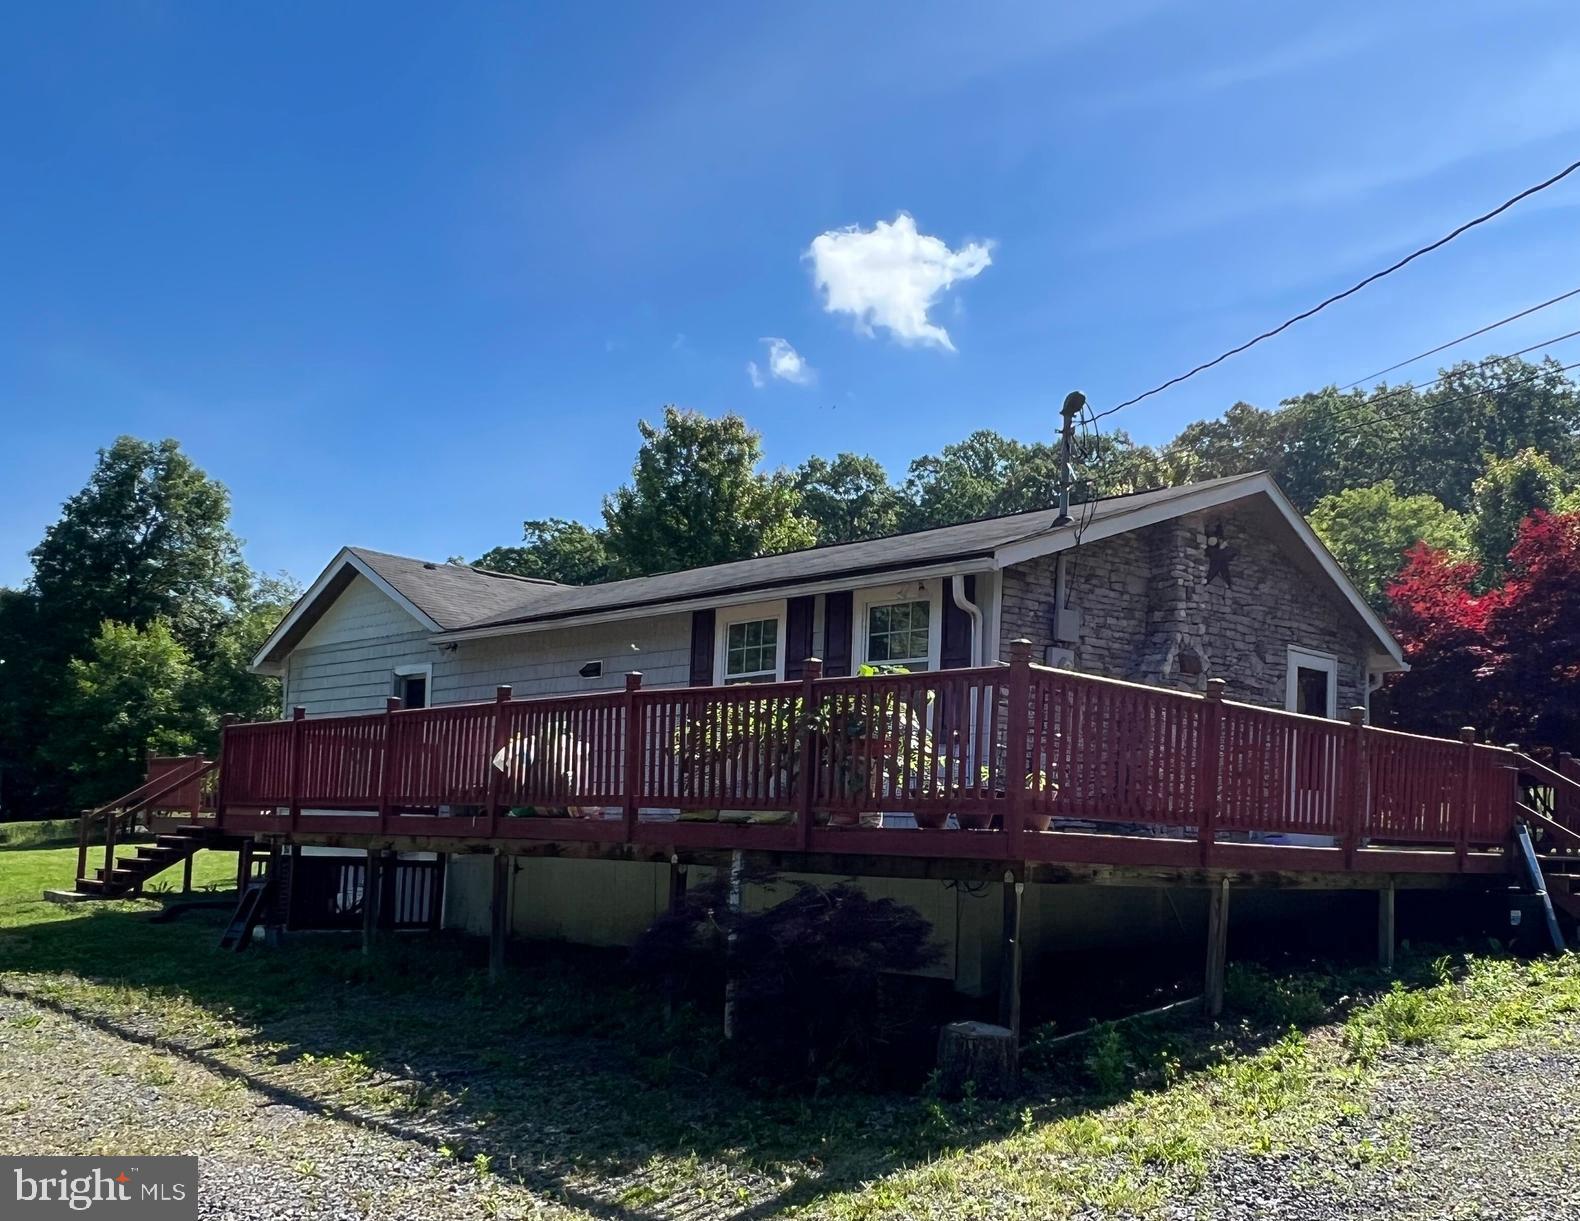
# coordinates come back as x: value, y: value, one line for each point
x: 1144, y: 599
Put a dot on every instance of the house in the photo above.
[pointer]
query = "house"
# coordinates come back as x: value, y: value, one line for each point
x: 1217, y: 579
x: 1171, y: 588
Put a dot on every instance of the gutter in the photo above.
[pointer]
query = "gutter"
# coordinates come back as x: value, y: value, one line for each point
x: 957, y: 591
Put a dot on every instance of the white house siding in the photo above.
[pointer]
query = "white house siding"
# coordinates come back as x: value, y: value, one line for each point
x: 547, y: 662
x: 346, y: 661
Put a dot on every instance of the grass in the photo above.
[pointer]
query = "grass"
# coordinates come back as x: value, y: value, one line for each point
x: 567, y: 1083
x: 39, y: 833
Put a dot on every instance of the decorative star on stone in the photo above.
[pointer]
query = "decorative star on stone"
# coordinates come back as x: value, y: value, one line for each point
x: 1218, y: 557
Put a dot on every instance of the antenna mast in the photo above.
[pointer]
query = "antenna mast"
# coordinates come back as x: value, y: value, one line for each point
x: 1074, y: 404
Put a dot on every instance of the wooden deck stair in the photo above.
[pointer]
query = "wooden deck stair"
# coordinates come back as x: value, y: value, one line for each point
x: 128, y: 874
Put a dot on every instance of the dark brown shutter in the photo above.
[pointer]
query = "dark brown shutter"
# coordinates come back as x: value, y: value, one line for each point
x: 702, y: 622
x: 837, y: 610
x: 798, y: 634
x: 955, y: 649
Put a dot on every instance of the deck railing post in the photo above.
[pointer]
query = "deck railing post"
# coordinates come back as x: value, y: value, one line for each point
x: 82, y: 844
x: 1211, y: 765
x: 499, y: 740
x: 226, y: 722
x: 1017, y: 738
x: 1467, y: 797
x: 1355, y: 797
x: 635, y: 752
x: 298, y: 715
x: 806, y: 752
x: 392, y: 705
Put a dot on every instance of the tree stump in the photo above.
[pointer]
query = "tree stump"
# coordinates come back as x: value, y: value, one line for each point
x: 987, y: 1056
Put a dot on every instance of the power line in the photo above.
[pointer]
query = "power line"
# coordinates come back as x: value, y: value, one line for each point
x: 1442, y: 347
x: 1437, y: 403
x: 1354, y: 288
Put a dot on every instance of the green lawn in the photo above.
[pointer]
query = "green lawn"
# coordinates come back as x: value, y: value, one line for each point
x: 569, y: 1084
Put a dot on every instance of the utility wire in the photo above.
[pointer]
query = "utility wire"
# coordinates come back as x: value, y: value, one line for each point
x: 1437, y: 403
x: 1443, y: 347
x: 1354, y: 288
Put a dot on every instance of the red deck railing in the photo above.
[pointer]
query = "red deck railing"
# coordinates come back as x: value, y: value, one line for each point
x: 812, y: 764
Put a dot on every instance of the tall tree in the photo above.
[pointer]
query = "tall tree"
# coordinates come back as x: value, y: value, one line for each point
x: 849, y: 498
x: 1369, y: 529
x: 1508, y: 492
x: 147, y: 538
x: 696, y: 497
x: 985, y: 475
x: 554, y: 549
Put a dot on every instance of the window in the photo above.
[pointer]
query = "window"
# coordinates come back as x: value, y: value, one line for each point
x: 748, y: 643
x: 751, y: 651
x: 899, y: 634
x: 1312, y: 683
x: 411, y: 684
x: 593, y: 669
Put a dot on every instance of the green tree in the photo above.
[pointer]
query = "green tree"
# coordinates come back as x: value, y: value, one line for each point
x: 849, y: 498
x: 223, y: 684
x: 131, y: 692
x: 986, y: 475
x: 696, y: 497
x: 147, y: 538
x: 1504, y: 496
x: 1370, y: 529
x: 554, y: 549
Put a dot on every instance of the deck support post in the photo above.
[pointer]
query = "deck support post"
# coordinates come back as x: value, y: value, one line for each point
x: 372, y: 893
x: 737, y: 886
x: 389, y: 867
x: 243, y: 865
x: 677, y: 900
x: 634, y: 753
x: 1010, y: 956
x: 1018, y: 750
x: 498, y: 916
x: 277, y: 915
x: 186, y: 875
x: 1385, y: 926
x: 1217, y: 947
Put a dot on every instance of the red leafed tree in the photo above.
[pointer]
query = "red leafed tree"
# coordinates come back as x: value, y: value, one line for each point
x: 1506, y: 661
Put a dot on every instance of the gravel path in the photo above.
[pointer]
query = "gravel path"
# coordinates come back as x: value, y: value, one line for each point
x: 1495, y: 1136
x: 66, y: 1087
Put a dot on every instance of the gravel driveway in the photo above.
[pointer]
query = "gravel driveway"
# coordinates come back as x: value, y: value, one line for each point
x: 1489, y: 1136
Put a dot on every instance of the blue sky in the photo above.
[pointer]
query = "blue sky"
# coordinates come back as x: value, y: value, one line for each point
x: 403, y: 275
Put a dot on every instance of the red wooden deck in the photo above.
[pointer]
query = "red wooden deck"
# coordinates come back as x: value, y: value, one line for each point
x: 982, y: 758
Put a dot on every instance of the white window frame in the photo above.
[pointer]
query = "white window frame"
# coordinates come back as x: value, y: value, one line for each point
x: 748, y: 613
x: 890, y: 595
x: 412, y: 671
x: 1299, y: 658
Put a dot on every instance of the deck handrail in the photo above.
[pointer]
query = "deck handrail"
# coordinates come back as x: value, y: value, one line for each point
x: 128, y: 806
x: 1006, y: 746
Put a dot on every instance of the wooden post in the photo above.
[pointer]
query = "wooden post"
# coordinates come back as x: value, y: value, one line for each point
x: 806, y: 752
x: 498, y: 916
x: 634, y: 753
x: 496, y: 778
x: 279, y: 897
x: 82, y: 845
x: 436, y: 894
x: 389, y: 876
x: 392, y: 705
x: 225, y: 723
x: 1467, y: 797
x: 677, y: 900
x: 1212, y: 765
x: 298, y: 715
x: 372, y: 892
x: 1359, y: 784
x: 1017, y: 754
x: 1217, y: 947
x: 1385, y: 926
x: 733, y: 899
x: 1009, y: 970
x: 243, y: 865
x: 186, y: 875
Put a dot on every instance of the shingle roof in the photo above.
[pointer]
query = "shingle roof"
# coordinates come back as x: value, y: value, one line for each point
x: 965, y: 541
x: 452, y: 595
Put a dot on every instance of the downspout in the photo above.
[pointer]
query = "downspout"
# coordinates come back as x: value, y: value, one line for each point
x: 957, y: 591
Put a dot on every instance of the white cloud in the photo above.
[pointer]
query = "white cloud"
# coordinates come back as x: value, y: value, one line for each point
x: 785, y: 364
x: 890, y: 276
